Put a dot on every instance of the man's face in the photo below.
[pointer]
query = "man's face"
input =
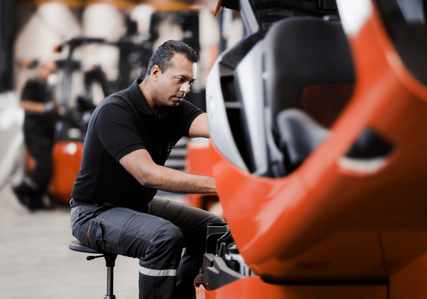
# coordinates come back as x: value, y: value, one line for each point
x: 45, y: 69
x: 175, y: 82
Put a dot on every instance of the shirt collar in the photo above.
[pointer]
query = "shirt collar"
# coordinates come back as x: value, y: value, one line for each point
x: 140, y: 101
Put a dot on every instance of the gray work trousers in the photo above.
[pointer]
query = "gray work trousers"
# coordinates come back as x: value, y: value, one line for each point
x: 156, y: 237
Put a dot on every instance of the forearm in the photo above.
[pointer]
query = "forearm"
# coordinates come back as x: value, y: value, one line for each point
x: 172, y: 180
x: 35, y: 107
x: 149, y: 174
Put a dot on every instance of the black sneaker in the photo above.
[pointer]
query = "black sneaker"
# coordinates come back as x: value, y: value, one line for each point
x: 23, y: 197
x: 40, y: 202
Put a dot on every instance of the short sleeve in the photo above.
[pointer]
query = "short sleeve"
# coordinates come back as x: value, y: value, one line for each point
x: 189, y: 113
x: 117, y: 130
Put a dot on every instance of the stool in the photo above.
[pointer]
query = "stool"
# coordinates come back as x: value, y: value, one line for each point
x: 110, y: 259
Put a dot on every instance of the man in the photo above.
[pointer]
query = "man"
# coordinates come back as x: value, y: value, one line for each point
x: 129, y: 137
x: 39, y: 124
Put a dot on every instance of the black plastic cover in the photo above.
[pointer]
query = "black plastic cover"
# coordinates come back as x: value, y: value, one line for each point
x: 369, y: 145
x: 216, y: 273
x: 231, y: 4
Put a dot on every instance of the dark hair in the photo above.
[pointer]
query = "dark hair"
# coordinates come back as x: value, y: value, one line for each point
x: 165, y: 52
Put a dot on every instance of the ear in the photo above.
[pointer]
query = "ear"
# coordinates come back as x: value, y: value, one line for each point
x: 155, y: 72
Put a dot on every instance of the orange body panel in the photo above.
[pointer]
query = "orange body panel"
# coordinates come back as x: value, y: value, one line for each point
x: 197, y: 161
x: 255, y: 288
x: 410, y: 282
x: 30, y: 163
x: 67, y: 156
x: 331, y: 221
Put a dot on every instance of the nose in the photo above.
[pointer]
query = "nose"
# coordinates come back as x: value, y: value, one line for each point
x: 185, y: 87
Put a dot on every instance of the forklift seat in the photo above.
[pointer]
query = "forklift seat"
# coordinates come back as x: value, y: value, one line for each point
x: 309, y: 67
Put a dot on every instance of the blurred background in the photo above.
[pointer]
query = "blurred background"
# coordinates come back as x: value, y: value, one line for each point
x: 99, y: 47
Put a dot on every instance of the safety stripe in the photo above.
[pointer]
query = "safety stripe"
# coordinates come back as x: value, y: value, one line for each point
x: 151, y: 272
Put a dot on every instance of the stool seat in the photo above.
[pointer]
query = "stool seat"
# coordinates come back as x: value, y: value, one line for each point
x: 109, y: 257
x: 77, y: 246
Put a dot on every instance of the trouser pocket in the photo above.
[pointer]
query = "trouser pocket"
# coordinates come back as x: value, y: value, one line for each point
x: 74, y: 216
x: 95, y: 233
x: 106, y: 229
x: 78, y: 223
x: 84, y: 226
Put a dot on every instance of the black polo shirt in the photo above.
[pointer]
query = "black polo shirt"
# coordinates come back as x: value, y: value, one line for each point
x: 122, y: 123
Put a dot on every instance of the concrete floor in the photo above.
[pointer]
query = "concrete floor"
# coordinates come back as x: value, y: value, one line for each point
x: 35, y: 261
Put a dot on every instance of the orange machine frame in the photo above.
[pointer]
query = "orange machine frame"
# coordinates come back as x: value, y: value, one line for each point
x: 336, y: 224
x: 197, y: 161
x: 66, y: 164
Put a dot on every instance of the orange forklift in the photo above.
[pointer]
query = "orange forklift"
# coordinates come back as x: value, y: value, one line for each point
x: 318, y: 121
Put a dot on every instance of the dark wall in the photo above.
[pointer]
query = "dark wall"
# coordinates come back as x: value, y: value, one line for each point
x: 7, y: 34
